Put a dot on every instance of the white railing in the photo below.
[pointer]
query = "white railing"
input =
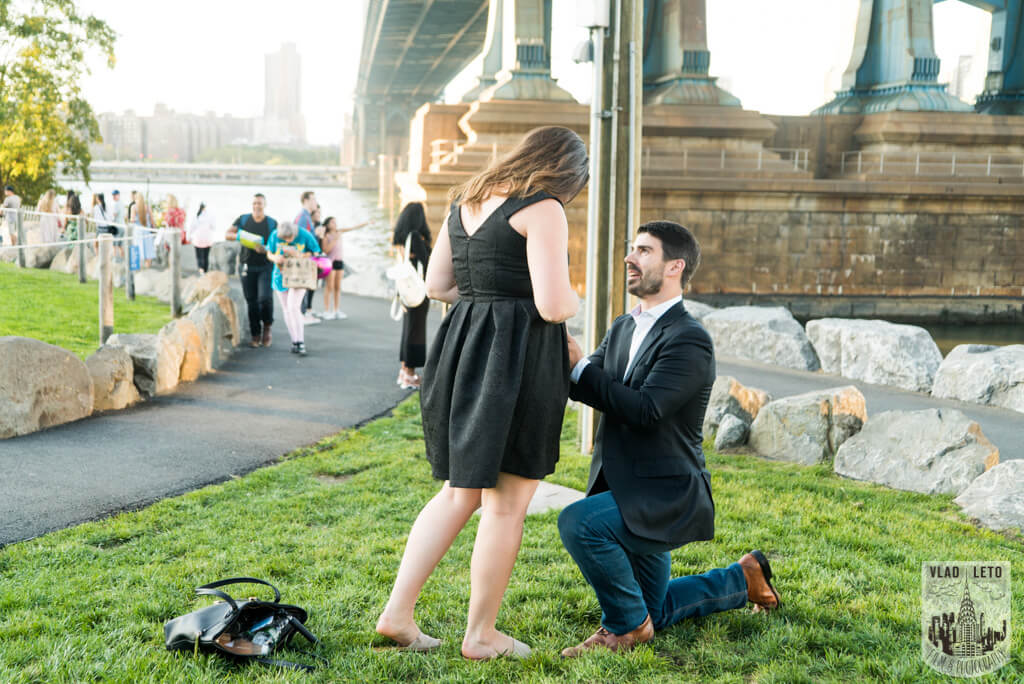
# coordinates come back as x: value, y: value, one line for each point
x: 932, y: 164
x: 701, y: 160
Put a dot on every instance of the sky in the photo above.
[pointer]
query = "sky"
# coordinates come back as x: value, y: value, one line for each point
x: 777, y: 56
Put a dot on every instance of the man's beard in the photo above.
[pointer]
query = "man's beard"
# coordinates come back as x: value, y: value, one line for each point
x: 648, y: 284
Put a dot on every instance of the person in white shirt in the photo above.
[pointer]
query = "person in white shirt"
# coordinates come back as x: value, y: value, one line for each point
x: 200, y: 234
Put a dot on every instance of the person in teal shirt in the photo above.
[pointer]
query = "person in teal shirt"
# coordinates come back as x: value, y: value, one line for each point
x: 290, y: 241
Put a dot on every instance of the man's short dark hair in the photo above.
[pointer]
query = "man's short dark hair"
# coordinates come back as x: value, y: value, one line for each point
x: 9, y: 188
x: 306, y: 195
x: 260, y: 195
x: 676, y: 243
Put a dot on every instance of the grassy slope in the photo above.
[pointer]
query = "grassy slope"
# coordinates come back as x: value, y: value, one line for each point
x: 56, y: 308
x: 327, y: 525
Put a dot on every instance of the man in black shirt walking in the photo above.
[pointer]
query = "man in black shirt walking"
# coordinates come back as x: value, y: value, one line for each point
x: 256, y: 270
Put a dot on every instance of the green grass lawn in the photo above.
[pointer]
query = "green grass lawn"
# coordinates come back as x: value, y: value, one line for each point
x: 328, y: 523
x: 56, y: 308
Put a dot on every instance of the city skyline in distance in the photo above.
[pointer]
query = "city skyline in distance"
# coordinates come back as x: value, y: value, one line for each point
x: 782, y: 58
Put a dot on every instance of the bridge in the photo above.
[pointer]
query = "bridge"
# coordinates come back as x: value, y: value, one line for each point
x: 893, y: 199
x: 413, y: 48
x: 217, y: 174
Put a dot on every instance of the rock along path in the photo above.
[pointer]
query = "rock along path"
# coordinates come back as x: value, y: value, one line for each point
x: 266, y: 402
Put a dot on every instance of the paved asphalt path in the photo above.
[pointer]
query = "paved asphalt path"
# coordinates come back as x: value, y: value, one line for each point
x: 1003, y: 427
x: 262, y: 404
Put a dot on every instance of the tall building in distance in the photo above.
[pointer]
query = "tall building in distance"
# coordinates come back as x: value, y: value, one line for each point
x: 282, y: 120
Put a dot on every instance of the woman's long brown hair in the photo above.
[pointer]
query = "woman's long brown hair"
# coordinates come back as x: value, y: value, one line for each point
x: 552, y: 159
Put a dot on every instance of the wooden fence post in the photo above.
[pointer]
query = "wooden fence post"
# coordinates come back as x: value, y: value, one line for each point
x: 106, y: 287
x: 81, y: 249
x: 175, y: 266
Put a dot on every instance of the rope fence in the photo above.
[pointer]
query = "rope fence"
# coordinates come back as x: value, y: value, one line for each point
x: 41, y: 237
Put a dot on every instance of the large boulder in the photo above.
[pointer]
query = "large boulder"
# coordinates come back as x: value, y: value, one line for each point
x: 224, y: 257
x: 40, y: 386
x: 934, y: 451
x: 729, y: 397
x: 113, y: 373
x: 996, y: 498
x: 227, y: 306
x: 60, y: 260
x: 149, y: 281
x: 215, y: 332
x: 183, y: 336
x: 156, y: 362
x: 241, y: 312
x: 808, y: 428
x: 732, y: 432
x: 765, y: 334
x: 984, y: 374
x: 40, y: 257
x: 214, y: 282
x: 697, y: 309
x: 875, y: 351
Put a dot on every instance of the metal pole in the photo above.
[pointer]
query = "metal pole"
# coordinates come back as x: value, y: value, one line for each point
x: 988, y: 166
x: 596, y: 302
x: 106, y: 286
x: 19, y: 229
x: 917, y: 165
x: 952, y: 168
x: 633, y: 172
x: 881, y: 163
x: 175, y: 273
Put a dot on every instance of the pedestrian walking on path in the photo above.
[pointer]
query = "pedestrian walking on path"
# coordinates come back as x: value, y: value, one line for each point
x: 496, y: 380
x: 253, y: 233
x: 291, y: 241
x: 412, y: 227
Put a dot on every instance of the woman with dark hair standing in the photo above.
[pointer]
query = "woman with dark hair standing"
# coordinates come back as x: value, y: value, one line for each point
x: 200, y: 234
x: 497, y: 377
x: 412, y: 352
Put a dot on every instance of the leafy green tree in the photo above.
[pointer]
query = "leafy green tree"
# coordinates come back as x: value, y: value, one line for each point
x: 45, y: 123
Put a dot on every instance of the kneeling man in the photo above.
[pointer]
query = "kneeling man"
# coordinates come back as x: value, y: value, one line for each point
x: 649, y: 491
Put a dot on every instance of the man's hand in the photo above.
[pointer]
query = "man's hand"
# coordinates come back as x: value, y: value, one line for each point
x: 575, y: 353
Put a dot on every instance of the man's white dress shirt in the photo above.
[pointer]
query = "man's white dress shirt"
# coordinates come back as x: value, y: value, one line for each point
x: 644, y: 321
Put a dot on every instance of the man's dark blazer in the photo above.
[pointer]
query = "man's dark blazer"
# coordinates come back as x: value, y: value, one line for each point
x: 648, y: 447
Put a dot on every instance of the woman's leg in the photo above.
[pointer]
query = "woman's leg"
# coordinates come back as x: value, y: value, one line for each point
x: 331, y: 293
x: 494, y: 553
x: 286, y: 311
x: 431, y: 535
x: 295, y: 298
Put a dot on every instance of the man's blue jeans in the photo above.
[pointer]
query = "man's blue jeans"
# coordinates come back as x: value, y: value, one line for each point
x: 630, y: 574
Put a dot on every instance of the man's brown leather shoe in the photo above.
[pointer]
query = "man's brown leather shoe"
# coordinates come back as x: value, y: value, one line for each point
x: 758, y: 573
x: 602, y: 638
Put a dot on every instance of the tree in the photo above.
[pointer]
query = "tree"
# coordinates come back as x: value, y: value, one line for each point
x: 45, y: 123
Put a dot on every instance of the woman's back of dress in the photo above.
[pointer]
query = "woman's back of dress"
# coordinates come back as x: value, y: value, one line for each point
x: 497, y: 376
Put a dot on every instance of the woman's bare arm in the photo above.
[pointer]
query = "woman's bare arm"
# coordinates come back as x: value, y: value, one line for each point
x: 547, y: 255
x: 440, y: 271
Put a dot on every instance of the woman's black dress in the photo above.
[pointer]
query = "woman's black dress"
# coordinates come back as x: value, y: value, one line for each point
x: 497, y: 376
x: 413, y: 348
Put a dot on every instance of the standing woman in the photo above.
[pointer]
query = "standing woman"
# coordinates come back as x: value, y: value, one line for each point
x: 412, y: 352
x: 73, y: 211
x: 49, y: 221
x: 290, y: 241
x: 99, y: 217
x: 331, y: 242
x: 174, y: 217
x: 497, y: 377
x: 200, y: 234
x: 143, y: 239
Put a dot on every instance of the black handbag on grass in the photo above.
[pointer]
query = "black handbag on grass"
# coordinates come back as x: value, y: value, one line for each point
x: 242, y: 630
